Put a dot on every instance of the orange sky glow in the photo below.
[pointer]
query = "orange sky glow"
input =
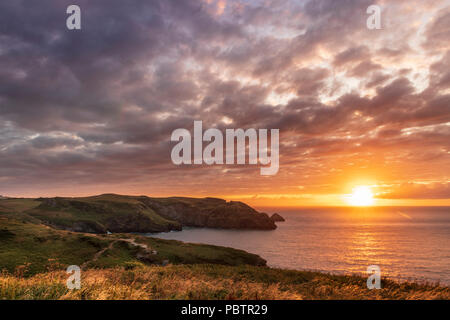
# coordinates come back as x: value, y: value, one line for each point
x: 367, y: 110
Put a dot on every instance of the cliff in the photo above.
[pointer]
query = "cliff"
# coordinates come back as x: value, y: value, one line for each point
x: 210, y: 213
x: 141, y: 214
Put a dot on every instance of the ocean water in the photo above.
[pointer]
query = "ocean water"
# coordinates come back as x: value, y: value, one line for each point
x: 406, y: 243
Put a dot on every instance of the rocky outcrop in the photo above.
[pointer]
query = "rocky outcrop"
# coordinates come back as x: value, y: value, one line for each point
x: 277, y: 218
x: 142, y: 214
x: 210, y: 213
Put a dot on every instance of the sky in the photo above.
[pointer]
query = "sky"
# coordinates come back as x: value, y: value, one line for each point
x: 91, y: 111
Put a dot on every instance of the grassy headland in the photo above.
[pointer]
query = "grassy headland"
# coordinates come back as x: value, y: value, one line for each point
x: 119, y: 213
x: 28, y: 248
x: 35, y: 251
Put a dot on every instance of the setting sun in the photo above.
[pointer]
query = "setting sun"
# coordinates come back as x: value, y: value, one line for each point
x: 361, y: 196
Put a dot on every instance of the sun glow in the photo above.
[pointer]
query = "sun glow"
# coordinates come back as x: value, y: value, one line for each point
x: 361, y: 196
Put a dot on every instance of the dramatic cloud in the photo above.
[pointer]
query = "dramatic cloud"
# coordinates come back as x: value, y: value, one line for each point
x: 92, y: 110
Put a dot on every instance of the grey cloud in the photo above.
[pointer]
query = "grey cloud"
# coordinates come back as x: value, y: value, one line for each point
x: 99, y: 105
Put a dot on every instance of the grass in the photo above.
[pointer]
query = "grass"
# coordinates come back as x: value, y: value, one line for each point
x: 188, y: 253
x: 140, y: 214
x: 100, y: 214
x: 30, y: 248
x: 98, y: 210
x: 206, y: 281
x: 17, y: 204
x: 33, y: 258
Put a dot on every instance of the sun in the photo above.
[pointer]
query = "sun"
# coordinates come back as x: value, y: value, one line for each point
x: 361, y: 196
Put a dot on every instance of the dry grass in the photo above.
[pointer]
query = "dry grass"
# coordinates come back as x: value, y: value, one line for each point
x: 208, y: 282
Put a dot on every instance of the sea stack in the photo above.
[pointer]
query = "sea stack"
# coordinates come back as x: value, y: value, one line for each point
x: 277, y: 218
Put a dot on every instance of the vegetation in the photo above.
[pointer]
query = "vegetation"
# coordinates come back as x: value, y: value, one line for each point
x: 208, y: 282
x: 139, y: 214
x: 34, y: 256
x: 28, y: 248
x: 100, y: 214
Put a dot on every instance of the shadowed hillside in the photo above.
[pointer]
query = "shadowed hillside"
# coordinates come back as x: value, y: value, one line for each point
x: 29, y: 248
x: 116, y: 213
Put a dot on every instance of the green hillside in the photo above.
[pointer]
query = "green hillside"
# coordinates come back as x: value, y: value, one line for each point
x: 138, y: 214
x: 28, y: 248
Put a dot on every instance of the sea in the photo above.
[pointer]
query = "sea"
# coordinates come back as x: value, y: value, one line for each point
x: 406, y: 243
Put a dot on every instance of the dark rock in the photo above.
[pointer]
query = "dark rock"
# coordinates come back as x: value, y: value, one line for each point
x: 211, y: 213
x: 277, y: 218
x: 88, y: 227
x: 147, y: 257
x: 6, y: 235
x: 125, y: 214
